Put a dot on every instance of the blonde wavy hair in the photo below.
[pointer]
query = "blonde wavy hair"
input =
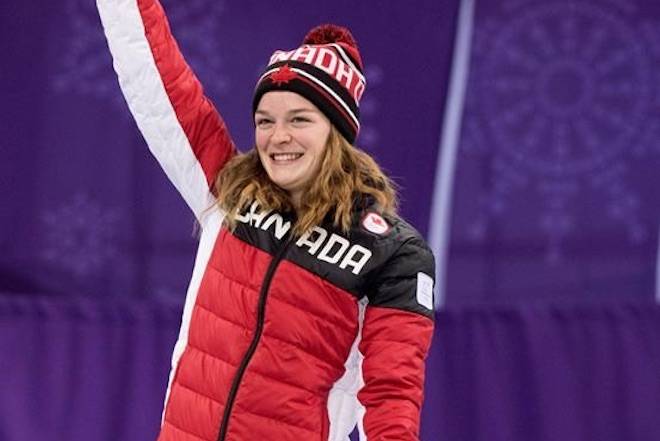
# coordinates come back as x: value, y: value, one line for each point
x: 345, y: 174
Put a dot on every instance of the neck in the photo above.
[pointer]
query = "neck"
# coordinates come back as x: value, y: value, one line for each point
x: 295, y: 197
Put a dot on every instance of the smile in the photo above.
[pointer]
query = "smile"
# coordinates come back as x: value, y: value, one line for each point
x: 285, y: 157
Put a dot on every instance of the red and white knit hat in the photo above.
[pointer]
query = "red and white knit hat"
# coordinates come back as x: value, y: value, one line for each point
x: 327, y: 70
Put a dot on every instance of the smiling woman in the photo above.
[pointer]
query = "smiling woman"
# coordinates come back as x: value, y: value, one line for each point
x: 310, y: 306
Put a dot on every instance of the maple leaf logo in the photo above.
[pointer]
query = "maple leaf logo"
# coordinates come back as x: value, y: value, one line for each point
x: 283, y: 75
x: 375, y: 223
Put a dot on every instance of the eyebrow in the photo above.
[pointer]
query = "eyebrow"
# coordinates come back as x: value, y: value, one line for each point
x: 302, y: 109
x: 293, y: 111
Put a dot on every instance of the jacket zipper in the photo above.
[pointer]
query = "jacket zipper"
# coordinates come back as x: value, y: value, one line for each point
x: 261, y: 312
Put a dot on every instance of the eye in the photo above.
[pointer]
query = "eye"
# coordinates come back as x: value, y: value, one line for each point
x: 300, y: 119
x: 263, y: 123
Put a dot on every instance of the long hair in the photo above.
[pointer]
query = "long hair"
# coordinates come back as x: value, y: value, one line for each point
x: 345, y: 173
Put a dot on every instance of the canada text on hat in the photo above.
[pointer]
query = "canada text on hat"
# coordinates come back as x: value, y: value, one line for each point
x: 330, y: 58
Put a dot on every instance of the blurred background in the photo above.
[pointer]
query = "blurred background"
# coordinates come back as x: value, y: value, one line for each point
x: 525, y: 136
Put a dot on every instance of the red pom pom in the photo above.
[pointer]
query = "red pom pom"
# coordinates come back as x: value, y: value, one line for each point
x: 329, y: 33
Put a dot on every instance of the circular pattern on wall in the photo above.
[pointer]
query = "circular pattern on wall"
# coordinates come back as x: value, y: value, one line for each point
x: 559, y: 109
x: 564, y: 88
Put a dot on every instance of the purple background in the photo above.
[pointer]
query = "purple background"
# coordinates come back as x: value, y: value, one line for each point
x: 550, y: 330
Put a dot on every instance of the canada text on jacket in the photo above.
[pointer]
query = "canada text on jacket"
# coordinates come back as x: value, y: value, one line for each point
x: 323, y: 245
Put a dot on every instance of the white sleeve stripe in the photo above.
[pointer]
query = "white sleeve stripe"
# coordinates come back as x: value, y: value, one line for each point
x: 149, y: 103
x: 344, y: 408
x: 211, y: 228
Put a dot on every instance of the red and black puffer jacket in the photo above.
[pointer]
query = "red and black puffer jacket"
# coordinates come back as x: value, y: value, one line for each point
x: 275, y: 321
x: 282, y: 338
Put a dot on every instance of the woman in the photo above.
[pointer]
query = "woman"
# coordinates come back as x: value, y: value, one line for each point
x: 310, y: 305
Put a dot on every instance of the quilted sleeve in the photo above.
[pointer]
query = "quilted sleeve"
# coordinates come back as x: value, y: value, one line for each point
x: 396, y: 337
x: 181, y: 126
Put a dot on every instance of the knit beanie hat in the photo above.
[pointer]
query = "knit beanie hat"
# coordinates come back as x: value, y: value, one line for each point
x: 327, y: 70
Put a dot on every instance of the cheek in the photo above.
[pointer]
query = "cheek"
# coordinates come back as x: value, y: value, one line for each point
x: 260, y: 144
x: 319, y: 153
x: 259, y: 139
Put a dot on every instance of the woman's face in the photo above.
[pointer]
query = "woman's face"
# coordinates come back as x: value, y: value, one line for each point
x: 291, y: 135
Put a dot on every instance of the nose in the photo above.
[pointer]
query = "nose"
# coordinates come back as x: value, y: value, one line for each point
x: 280, y: 134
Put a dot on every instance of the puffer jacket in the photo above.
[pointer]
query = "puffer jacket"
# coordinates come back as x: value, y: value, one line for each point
x: 282, y: 337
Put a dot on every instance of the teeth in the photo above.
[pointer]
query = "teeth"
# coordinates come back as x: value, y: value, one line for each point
x: 285, y: 156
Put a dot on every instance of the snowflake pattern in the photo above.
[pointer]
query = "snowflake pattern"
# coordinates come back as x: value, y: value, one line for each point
x: 85, y: 64
x: 80, y: 237
x: 561, y: 96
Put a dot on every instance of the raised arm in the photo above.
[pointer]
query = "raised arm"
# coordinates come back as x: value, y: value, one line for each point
x: 183, y: 129
x: 396, y: 335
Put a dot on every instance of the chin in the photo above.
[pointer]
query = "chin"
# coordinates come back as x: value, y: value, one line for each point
x: 287, y: 188
x: 285, y: 184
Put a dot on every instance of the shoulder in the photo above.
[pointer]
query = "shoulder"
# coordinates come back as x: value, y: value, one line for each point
x: 403, y: 271
x: 406, y: 234
x: 399, y: 249
x: 409, y: 248
x: 393, y: 236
